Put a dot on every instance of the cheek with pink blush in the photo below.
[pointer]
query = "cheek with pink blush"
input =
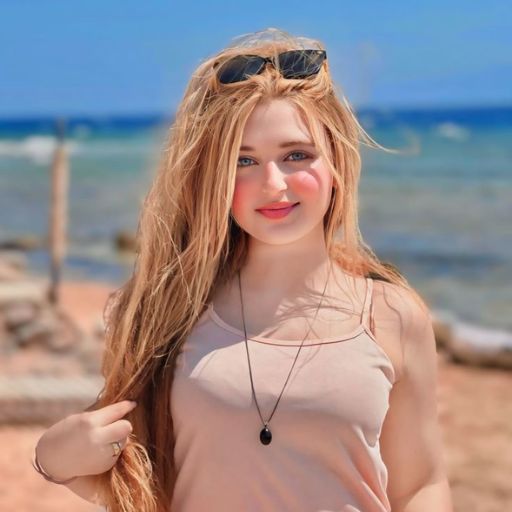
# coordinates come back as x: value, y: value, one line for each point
x: 306, y: 184
x: 241, y: 196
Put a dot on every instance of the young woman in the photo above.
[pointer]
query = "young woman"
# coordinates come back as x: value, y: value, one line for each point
x: 277, y: 364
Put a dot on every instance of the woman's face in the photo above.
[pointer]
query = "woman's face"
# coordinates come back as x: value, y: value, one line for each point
x: 270, y: 172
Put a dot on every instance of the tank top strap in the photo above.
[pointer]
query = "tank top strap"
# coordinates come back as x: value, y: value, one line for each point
x: 365, y: 313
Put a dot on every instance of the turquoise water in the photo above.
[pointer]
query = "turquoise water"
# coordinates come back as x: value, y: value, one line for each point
x: 442, y: 214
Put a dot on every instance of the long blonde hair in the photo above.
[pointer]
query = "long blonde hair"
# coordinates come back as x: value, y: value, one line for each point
x: 188, y: 246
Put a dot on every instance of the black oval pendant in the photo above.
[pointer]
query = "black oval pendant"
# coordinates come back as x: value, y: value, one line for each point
x: 265, y: 436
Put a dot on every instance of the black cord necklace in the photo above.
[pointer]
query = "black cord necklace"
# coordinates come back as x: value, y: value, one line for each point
x: 266, y: 434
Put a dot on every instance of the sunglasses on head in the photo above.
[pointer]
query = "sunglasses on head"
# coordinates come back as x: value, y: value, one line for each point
x: 291, y: 64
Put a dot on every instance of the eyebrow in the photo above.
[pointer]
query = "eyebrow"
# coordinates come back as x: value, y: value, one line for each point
x: 284, y: 144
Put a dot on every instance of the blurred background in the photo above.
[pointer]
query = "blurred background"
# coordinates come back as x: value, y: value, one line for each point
x: 432, y: 79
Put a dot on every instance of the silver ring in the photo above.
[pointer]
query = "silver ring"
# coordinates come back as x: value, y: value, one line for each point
x: 117, y: 448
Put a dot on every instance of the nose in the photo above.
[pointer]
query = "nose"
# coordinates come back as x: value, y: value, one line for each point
x: 273, y: 178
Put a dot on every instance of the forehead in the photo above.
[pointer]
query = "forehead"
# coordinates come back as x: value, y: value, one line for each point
x: 274, y: 122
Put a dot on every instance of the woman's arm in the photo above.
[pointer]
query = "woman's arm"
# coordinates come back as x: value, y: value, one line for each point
x: 86, y: 487
x: 411, y: 442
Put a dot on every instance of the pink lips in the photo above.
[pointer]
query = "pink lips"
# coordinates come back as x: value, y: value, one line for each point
x: 277, y: 213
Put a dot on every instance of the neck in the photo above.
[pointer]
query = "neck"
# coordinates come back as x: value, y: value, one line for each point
x: 286, y: 269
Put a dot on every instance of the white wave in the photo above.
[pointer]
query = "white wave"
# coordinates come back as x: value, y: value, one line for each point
x: 453, y: 131
x: 37, y: 148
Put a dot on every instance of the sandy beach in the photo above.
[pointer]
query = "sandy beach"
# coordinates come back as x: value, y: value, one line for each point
x: 473, y: 409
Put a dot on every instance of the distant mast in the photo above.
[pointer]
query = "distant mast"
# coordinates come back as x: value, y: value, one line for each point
x: 58, y: 211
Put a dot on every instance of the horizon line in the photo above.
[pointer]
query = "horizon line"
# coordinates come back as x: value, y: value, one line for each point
x: 166, y: 114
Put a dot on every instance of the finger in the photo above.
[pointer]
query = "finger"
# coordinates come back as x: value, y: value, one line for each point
x: 112, y: 412
x: 114, y: 432
x: 108, y: 449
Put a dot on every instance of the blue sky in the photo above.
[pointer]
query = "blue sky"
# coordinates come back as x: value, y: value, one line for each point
x: 106, y: 57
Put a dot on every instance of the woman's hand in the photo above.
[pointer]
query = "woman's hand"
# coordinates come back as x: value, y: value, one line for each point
x: 80, y: 443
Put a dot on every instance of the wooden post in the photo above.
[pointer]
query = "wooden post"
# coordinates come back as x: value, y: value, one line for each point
x: 58, y: 212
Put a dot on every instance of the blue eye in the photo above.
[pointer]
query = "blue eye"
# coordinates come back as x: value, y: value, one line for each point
x: 243, y: 158
x: 299, y: 153
x: 293, y: 160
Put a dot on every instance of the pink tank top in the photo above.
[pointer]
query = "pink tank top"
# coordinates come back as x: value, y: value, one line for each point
x: 325, y: 453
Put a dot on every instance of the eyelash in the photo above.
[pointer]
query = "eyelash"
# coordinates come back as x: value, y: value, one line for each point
x: 292, y: 153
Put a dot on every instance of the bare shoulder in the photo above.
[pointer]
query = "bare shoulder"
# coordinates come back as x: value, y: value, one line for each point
x: 399, y: 318
x: 394, y: 303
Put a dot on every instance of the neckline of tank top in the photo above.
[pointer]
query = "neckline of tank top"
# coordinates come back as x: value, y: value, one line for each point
x: 361, y: 328
x: 279, y: 341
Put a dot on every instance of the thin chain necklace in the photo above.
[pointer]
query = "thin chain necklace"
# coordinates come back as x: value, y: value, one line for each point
x: 265, y: 434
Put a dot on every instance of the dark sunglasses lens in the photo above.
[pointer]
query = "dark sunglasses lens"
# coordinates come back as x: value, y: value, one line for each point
x: 240, y: 68
x: 301, y: 63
